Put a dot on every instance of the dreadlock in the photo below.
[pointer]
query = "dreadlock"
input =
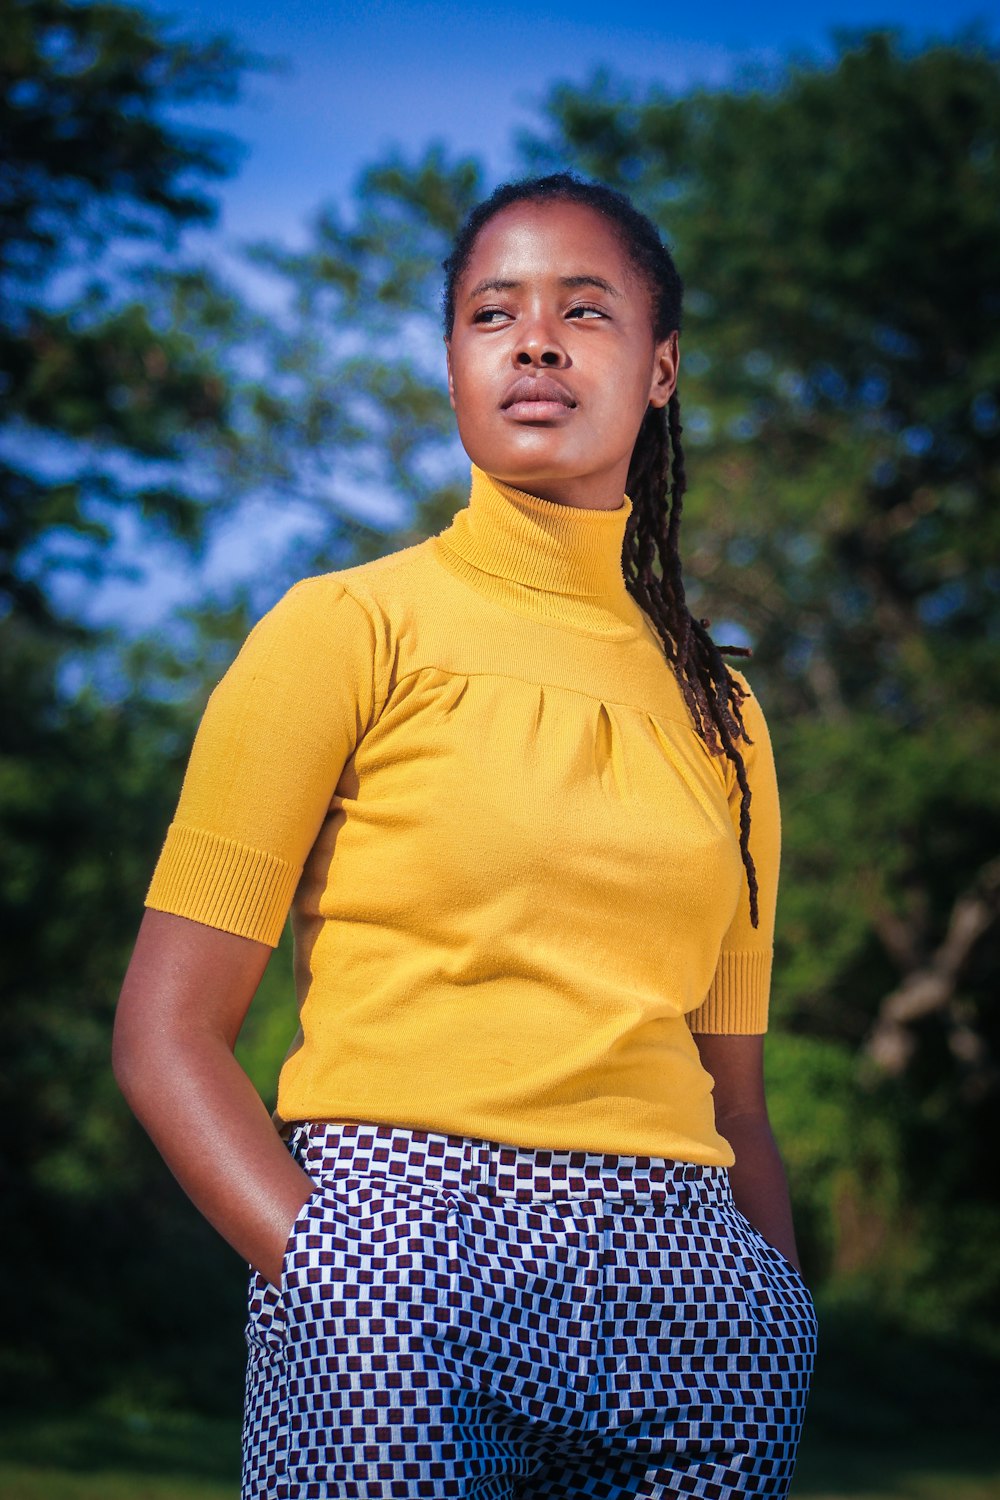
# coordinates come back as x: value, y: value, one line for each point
x: 656, y: 479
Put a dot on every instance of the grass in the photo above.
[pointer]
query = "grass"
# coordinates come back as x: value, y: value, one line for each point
x: 100, y: 1455
x: 897, y: 1417
x: 891, y: 1417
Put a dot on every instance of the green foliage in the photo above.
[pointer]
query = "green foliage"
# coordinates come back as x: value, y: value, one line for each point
x: 350, y: 396
x: 271, y: 1024
x: 87, y: 155
x: 846, y: 391
x: 94, y: 171
x: 106, y: 402
x: 829, y: 1137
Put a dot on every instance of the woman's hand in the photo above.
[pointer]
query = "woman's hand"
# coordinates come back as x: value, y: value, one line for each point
x: 760, y: 1189
x: 184, y: 999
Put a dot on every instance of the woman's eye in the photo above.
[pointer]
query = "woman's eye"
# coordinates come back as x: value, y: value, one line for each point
x: 490, y: 315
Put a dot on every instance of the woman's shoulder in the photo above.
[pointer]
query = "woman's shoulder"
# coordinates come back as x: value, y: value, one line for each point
x: 346, y: 620
x: 742, y: 679
x: 753, y: 714
x: 377, y: 585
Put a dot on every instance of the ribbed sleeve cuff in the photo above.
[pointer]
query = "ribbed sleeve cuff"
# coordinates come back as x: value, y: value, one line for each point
x: 224, y: 884
x: 738, y: 998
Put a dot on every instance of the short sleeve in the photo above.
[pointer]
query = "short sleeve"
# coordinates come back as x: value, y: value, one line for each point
x: 274, y: 738
x: 739, y: 995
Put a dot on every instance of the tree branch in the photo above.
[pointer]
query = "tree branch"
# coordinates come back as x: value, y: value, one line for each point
x: 932, y: 987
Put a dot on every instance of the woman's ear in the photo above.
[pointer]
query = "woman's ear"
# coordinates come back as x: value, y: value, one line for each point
x: 451, y: 376
x: 665, y: 370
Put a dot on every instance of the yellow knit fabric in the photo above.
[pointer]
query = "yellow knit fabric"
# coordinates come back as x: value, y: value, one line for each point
x: 512, y: 866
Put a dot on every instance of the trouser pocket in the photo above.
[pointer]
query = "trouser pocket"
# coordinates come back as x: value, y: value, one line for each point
x: 368, y: 1252
x: 778, y: 1295
x: 296, y: 1246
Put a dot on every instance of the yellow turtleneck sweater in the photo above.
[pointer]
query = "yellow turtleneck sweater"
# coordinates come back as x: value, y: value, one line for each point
x: 512, y: 866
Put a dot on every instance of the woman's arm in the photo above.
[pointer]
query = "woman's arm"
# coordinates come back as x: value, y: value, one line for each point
x: 186, y: 993
x: 760, y: 1188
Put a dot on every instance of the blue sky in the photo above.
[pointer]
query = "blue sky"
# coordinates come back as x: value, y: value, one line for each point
x: 361, y: 77
x: 357, y: 79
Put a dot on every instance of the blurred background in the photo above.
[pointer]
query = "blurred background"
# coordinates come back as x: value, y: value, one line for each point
x: 221, y: 230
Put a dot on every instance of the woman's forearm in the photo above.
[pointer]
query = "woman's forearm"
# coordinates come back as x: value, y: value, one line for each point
x: 758, y: 1180
x: 215, y: 1134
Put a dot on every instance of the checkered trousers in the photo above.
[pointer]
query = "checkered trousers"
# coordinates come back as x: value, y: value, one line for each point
x: 459, y: 1317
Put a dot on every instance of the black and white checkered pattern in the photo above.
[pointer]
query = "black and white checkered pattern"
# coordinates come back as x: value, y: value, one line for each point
x: 467, y: 1318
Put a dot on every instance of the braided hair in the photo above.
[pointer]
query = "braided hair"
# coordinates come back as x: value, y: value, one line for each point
x: 656, y: 478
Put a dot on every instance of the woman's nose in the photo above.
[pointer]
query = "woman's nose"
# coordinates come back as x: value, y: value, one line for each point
x: 539, y: 343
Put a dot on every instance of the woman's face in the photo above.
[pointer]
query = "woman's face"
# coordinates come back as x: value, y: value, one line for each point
x: 551, y: 359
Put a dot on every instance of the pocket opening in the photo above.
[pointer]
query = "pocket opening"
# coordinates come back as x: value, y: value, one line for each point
x: 298, y: 1223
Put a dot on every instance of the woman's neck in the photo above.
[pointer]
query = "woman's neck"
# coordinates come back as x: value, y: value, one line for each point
x: 560, y: 562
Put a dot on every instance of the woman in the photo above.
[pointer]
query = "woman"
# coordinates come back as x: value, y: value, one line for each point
x: 522, y: 1227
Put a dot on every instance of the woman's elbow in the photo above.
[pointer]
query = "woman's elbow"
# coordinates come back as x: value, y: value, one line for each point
x: 141, y: 1040
x: 126, y: 1054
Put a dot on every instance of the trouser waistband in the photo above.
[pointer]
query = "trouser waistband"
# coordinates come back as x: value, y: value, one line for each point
x: 344, y: 1148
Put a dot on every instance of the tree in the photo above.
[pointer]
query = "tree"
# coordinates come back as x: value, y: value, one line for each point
x: 95, y: 174
x: 106, y: 402
x: 345, y: 395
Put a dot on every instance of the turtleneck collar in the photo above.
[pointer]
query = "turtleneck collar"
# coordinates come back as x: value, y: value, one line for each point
x: 558, y: 562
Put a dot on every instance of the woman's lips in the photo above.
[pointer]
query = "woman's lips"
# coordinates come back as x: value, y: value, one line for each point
x: 537, y: 398
x: 537, y: 411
